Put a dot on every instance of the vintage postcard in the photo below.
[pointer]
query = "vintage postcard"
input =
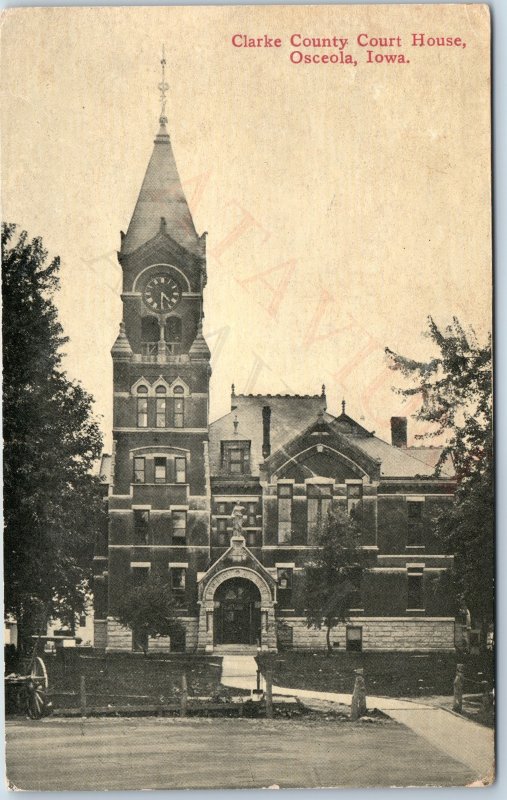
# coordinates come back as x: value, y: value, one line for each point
x: 247, y: 312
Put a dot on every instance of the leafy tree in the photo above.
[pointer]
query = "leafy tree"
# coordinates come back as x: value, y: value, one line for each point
x: 149, y: 609
x: 52, y: 505
x: 333, y: 573
x: 455, y: 388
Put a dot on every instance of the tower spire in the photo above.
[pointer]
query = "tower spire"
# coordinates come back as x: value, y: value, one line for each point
x: 163, y: 88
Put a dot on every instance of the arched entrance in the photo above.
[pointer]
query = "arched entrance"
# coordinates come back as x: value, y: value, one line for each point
x: 237, y: 613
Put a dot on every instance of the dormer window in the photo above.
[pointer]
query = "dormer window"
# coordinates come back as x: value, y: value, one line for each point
x: 235, y: 457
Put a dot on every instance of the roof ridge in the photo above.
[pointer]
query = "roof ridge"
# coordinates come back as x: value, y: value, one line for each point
x: 298, y: 396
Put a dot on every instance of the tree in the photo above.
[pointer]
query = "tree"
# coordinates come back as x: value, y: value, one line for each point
x: 455, y: 387
x: 332, y: 576
x: 53, y: 506
x: 149, y: 609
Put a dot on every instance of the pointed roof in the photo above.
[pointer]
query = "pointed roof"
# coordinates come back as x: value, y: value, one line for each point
x: 161, y: 204
x: 121, y: 349
x: 199, y: 349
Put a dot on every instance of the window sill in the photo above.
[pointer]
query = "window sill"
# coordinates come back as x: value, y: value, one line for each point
x: 411, y: 610
x: 415, y: 547
x: 139, y: 483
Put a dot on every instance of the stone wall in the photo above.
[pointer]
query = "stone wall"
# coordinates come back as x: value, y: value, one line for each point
x: 379, y: 633
x: 119, y: 639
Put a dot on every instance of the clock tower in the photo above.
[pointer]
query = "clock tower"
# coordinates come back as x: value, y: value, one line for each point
x: 159, y: 501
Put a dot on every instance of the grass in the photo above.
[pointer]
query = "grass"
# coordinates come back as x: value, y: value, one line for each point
x: 125, y: 678
x: 386, y: 674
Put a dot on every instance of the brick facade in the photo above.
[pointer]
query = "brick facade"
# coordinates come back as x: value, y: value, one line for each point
x: 228, y: 513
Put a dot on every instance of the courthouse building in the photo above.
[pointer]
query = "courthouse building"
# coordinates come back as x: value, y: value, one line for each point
x: 227, y: 512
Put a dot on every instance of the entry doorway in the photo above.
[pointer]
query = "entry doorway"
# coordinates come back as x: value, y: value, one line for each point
x: 237, y: 616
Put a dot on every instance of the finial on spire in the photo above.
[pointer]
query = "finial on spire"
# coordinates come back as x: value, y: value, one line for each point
x: 233, y: 390
x: 163, y: 88
x: 235, y: 423
x: 323, y: 392
x: 343, y: 406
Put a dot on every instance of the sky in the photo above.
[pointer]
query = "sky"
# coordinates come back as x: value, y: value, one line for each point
x: 344, y: 204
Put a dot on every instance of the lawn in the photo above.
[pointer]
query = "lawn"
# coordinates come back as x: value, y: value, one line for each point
x: 386, y: 674
x: 131, y: 679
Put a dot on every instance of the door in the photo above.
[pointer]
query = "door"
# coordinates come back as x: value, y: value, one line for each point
x: 237, y: 612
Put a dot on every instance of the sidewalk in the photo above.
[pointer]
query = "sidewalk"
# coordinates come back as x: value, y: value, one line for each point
x: 465, y: 741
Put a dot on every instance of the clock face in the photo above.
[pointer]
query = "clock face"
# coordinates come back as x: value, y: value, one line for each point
x: 161, y: 293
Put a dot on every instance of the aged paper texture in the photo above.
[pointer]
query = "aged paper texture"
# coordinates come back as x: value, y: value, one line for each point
x: 338, y: 160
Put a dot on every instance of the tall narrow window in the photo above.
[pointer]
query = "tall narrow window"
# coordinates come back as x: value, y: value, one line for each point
x: 354, y: 498
x: 284, y: 580
x: 284, y: 513
x: 178, y: 408
x: 160, y: 470
x: 141, y: 526
x: 160, y: 407
x: 251, y: 519
x: 180, y: 468
x: 142, y: 407
x: 179, y: 525
x: 139, y: 470
x: 415, y: 523
x: 415, y: 589
x: 319, y: 501
x: 223, y: 538
x: 173, y: 329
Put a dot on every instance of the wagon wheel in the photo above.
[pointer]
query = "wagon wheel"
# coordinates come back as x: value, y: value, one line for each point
x: 39, y: 673
x: 34, y: 700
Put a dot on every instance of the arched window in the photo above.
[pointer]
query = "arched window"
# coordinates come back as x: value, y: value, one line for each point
x: 178, y: 407
x: 150, y: 331
x: 142, y: 407
x: 160, y: 407
x: 173, y: 329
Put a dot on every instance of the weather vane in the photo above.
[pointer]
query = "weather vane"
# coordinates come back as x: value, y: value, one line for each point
x: 163, y: 87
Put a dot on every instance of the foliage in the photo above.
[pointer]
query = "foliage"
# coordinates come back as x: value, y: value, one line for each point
x: 52, y: 504
x: 333, y: 574
x: 149, y: 608
x: 456, y: 400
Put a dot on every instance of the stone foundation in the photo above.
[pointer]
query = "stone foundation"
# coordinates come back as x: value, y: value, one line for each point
x: 379, y: 633
x: 119, y: 639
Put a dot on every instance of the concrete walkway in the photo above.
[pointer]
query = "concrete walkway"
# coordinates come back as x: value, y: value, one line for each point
x: 463, y: 740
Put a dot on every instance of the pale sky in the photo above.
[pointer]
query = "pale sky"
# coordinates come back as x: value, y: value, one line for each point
x: 362, y: 193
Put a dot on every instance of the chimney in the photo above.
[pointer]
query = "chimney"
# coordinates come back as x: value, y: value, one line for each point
x: 266, y: 431
x: 399, y: 431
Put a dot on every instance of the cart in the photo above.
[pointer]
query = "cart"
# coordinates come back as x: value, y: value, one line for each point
x: 26, y: 691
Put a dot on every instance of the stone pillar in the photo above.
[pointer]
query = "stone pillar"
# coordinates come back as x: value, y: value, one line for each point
x: 358, y: 705
x: 205, y: 629
x: 458, y: 689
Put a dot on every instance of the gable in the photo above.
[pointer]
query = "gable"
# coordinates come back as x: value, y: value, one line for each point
x: 320, y: 461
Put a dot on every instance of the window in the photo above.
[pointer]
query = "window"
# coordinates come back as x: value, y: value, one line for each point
x: 236, y: 457
x: 150, y: 331
x: 160, y: 407
x: 284, y: 513
x: 142, y: 407
x: 354, y: 641
x: 173, y: 329
x: 319, y: 501
x: 251, y: 518
x: 140, y: 573
x: 178, y: 408
x: 141, y: 526
x: 180, y: 469
x: 354, y: 498
x: 139, y: 470
x: 82, y: 620
x: 415, y: 589
x: 160, y: 470
x: 414, y: 510
x: 284, y: 582
x: 415, y: 523
x: 178, y: 579
x: 251, y: 538
x: 221, y: 508
x: 222, y: 532
x: 179, y: 526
